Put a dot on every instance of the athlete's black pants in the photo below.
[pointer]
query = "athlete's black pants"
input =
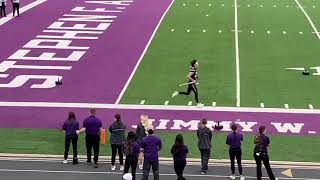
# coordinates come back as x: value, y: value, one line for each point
x: 115, y: 148
x: 3, y: 9
x: 93, y: 142
x: 68, y: 140
x: 235, y: 153
x: 179, y: 166
x: 131, y: 162
x: 192, y: 87
x: 15, y: 7
x: 265, y: 159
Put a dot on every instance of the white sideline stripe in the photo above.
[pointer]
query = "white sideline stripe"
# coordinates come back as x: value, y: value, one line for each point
x: 143, y: 101
x: 142, y: 55
x: 309, y: 19
x: 312, y: 132
x: 166, y: 102
x: 120, y: 173
x: 237, y: 52
x: 286, y: 106
x: 310, y: 106
x: 214, y: 104
x: 22, y: 10
x: 155, y: 107
x: 262, y: 105
x: 190, y: 103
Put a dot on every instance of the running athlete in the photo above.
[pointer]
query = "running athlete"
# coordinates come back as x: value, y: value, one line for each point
x: 192, y: 81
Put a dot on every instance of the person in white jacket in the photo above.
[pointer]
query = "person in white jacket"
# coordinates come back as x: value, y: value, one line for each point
x: 3, y: 8
x: 15, y: 6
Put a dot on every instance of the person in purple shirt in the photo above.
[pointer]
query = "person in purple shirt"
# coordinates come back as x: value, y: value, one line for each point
x: 262, y: 142
x: 131, y: 149
x: 234, y: 140
x: 70, y: 128
x: 92, y: 127
x: 151, y: 145
x: 179, y: 153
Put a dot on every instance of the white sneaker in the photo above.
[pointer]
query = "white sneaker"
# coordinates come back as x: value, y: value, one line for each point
x: 121, y: 168
x: 113, y: 168
x: 200, y: 105
x: 242, y: 177
x: 140, y: 166
x: 65, y: 161
x: 232, y: 176
x: 174, y: 94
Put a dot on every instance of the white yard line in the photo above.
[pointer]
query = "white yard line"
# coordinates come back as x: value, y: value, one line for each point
x: 22, y: 10
x: 236, y: 33
x: 142, y: 55
x: 309, y: 19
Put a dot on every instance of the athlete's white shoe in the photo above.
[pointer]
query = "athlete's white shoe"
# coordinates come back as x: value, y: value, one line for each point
x: 199, y: 104
x: 232, y: 176
x: 121, y: 168
x: 113, y: 168
x: 242, y: 177
x: 65, y: 161
x: 174, y: 94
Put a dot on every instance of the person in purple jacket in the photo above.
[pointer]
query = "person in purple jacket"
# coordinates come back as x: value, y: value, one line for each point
x: 131, y: 149
x: 179, y: 153
x: 234, y: 140
x: 151, y: 145
x: 70, y: 128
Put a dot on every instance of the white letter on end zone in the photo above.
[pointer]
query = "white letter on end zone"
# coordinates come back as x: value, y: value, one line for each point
x: 285, y: 127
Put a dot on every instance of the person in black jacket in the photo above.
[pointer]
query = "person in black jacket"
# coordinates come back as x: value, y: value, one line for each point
x: 3, y: 8
x: 117, y: 130
x: 179, y: 153
x: 131, y: 149
x: 141, y: 132
x: 204, y: 135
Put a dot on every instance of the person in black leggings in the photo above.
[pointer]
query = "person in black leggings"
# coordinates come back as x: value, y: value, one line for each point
x: 262, y: 142
x: 3, y: 8
x: 15, y: 6
x: 179, y: 153
x: 234, y: 140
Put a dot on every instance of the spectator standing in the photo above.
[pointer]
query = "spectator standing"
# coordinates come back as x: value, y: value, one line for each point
x: 3, y: 8
x: 179, y: 153
x: 141, y: 132
x: 15, y: 6
x: 204, y: 135
x: 70, y: 128
x: 131, y: 149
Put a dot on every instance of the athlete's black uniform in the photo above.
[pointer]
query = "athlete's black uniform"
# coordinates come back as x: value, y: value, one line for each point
x: 192, y: 87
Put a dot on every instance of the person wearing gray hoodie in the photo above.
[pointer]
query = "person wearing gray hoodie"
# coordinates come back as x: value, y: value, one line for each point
x: 204, y: 135
x: 117, y: 137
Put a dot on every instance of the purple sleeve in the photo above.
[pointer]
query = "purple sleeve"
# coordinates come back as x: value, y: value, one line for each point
x: 186, y: 150
x: 143, y: 144
x: 77, y: 126
x: 64, y: 126
x: 84, y: 123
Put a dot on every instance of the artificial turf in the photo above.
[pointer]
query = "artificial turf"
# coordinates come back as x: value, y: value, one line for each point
x: 51, y: 141
x: 273, y: 35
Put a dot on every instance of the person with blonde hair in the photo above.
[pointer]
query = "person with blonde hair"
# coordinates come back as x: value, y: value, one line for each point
x: 141, y: 132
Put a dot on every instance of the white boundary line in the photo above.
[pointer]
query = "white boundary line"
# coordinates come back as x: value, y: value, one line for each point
x: 236, y: 33
x: 142, y: 55
x: 155, y: 107
x: 22, y: 10
x: 120, y: 173
x: 309, y: 19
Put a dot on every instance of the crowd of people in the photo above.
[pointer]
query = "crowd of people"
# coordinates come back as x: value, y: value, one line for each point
x: 141, y: 148
x: 15, y: 7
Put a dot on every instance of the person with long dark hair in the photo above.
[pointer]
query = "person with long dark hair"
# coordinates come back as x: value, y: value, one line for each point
x: 262, y: 142
x: 117, y: 130
x: 131, y: 149
x: 71, y: 128
x: 234, y: 140
x: 179, y: 153
x: 192, y: 82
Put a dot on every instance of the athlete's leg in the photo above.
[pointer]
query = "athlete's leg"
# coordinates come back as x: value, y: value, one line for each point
x: 195, y: 91
x: 188, y: 91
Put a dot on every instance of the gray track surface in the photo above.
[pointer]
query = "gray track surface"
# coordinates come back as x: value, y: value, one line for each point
x: 53, y: 170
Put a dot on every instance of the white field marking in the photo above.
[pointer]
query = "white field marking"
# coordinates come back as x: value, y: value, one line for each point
x: 262, y: 105
x: 300, y: 32
x: 261, y: 5
x: 222, y: 5
x: 210, y: 5
x: 287, y: 6
x: 297, y: 69
x: 268, y: 32
x: 310, y: 106
x: 220, y: 31
x: 312, y: 132
x: 188, y: 30
x: 120, y: 173
x: 286, y: 106
x: 251, y: 32
x: 142, y: 55
x: 309, y: 19
x: 166, y: 103
x: 275, y: 6
x: 236, y: 33
x: 120, y: 7
x: 207, y: 15
x: 172, y: 30
x: 143, y: 101
x: 197, y: 4
x: 249, y: 5
x: 190, y: 103
x: 313, y: 6
x: 284, y: 32
x: 183, y: 4
x: 154, y: 107
x: 204, y: 30
x: 4, y: 75
x: 214, y: 104
x: 22, y: 10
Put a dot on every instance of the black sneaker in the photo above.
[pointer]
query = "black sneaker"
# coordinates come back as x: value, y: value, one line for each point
x: 75, y: 161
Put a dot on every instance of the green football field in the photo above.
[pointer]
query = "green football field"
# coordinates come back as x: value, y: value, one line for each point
x: 272, y: 35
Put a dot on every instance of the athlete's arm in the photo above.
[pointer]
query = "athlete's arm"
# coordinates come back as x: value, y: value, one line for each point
x: 189, y: 76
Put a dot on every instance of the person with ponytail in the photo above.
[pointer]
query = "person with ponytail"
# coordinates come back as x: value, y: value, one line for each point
x: 141, y: 132
x: 262, y: 142
x: 131, y: 149
x: 234, y: 140
x: 71, y: 129
x: 179, y: 153
x: 117, y: 130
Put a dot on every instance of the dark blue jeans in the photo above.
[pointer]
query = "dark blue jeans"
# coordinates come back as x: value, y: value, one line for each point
x: 146, y: 169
